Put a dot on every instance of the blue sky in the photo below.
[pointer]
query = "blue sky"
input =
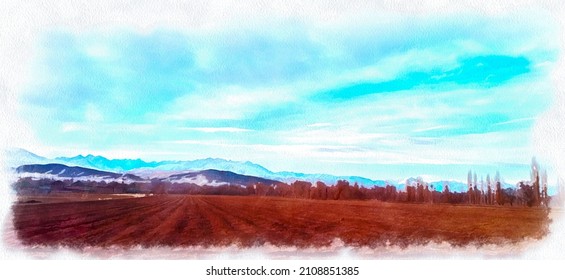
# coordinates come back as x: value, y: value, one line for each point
x: 385, y: 99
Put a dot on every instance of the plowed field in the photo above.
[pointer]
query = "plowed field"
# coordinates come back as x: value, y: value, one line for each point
x: 247, y: 221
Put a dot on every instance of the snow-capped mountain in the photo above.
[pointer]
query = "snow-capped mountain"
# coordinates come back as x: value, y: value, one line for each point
x: 163, y: 169
x: 140, y: 166
x: 102, y: 163
x: 245, y: 168
x: 13, y: 158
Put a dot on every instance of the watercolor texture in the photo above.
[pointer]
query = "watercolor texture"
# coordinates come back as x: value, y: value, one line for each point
x: 238, y: 126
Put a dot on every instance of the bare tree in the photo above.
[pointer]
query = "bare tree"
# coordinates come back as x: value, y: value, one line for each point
x: 499, y: 194
x: 470, y: 187
x: 446, y: 194
x: 483, y: 200
x: 342, y: 190
x: 489, y: 191
x: 544, y: 196
x: 535, y: 182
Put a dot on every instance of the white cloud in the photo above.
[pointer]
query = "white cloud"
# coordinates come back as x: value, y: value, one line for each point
x: 515, y: 121
x: 114, y: 128
x: 339, y: 136
x: 437, y: 127
x: 227, y: 103
x: 319, y: 124
x: 217, y: 129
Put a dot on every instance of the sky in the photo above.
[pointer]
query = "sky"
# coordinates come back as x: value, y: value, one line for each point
x: 384, y: 93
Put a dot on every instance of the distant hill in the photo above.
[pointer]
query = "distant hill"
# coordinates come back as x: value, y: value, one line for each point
x: 63, y: 171
x: 213, y: 177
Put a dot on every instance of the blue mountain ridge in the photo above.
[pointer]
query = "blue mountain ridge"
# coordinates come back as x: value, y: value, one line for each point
x: 20, y: 157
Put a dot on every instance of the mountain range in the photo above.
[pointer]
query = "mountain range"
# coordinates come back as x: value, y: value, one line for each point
x: 137, y: 169
x: 208, y: 177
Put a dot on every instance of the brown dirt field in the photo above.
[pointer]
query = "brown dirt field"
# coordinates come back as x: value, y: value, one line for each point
x: 70, y: 197
x: 180, y: 220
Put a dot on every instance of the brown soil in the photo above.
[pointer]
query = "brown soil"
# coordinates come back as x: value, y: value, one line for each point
x: 247, y: 221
